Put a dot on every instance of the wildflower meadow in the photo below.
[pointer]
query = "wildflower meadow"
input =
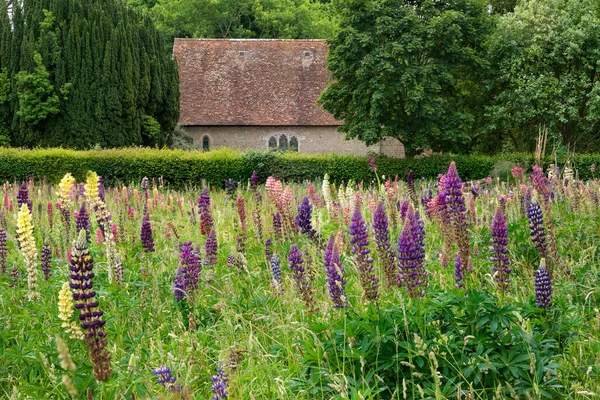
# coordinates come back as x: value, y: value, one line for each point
x: 392, y: 288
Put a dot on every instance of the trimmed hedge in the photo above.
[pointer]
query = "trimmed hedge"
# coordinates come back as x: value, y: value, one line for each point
x: 180, y: 167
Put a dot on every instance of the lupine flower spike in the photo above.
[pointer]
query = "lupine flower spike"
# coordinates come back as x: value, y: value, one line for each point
x: 82, y: 275
x: 146, y: 235
x: 3, y: 251
x: 543, y: 286
x: 299, y: 275
x: 499, y: 242
x: 382, y: 242
x: 165, y: 377
x: 65, y: 312
x: 27, y: 243
x: 456, y: 210
x: 411, y: 256
x: 335, y: 275
x: 219, y: 386
x: 276, y: 283
x: 360, y: 248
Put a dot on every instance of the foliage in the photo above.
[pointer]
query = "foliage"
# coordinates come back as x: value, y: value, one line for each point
x: 451, y: 342
x: 179, y: 167
x: 280, y: 19
x: 407, y: 70
x: 543, y: 71
x: 83, y: 73
x: 475, y: 343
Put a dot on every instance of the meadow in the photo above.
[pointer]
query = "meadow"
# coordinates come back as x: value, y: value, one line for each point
x: 400, y: 288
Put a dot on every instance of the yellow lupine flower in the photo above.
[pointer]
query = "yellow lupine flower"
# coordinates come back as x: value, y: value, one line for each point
x: 65, y: 312
x: 91, y: 186
x: 64, y: 189
x: 27, y: 242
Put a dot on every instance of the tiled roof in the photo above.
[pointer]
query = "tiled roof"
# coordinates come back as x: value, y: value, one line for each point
x: 252, y: 82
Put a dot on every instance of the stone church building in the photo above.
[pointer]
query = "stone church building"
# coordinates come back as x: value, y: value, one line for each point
x: 261, y: 94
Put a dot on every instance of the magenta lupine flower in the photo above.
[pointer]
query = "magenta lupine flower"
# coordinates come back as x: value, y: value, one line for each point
x: 23, y: 197
x: 543, y: 287
x: 82, y: 221
x: 382, y: 244
x: 298, y: 274
x: 517, y: 172
x: 206, y: 220
x: 165, y: 377
x: 411, y: 256
x: 536, y: 227
x: 46, y: 258
x: 303, y: 218
x: 372, y: 164
x: 457, y: 212
x: 219, y: 386
x: 335, y: 275
x: 360, y: 248
x: 146, y: 235
x: 458, y: 272
x: 50, y: 213
x: 276, y: 282
x: 499, y: 242
x: 82, y: 275
x: 3, y: 251
x: 541, y: 183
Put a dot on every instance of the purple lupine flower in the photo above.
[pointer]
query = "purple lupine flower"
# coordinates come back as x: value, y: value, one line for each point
x: 411, y: 256
x: 499, y: 242
x: 146, y: 234
x: 219, y: 386
x: 457, y: 212
x: 82, y: 275
x: 458, y: 272
x: 83, y: 221
x: 276, y: 282
x: 360, y: 248
x: 302, y: 282
x: 277, y: 224
x: 15, y: 275
x: 230, y: 187
x: 23, y: 197
x: 410, y: 183
x: 335, y: 275
x: 268, y: 249
x: 543, y: 287
x: 165, y: 377
x: 46, y: 257
x: 403, y: 209
x: 536, y: 227
x: 145, y: 183
x: 254, y: 181
x: 206, y: 220
x: 190, y: 268
x: 241, y: 209
x: 372, y: 164
x: 210, y: 249
x: 382, y: 244
x: 179, y: 286
x: 101, y: 190
x: 303, y: 218
x: 3, y: 251
x: 231, y: 261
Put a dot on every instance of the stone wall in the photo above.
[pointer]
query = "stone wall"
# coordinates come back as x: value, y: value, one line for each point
x: 311, y: 139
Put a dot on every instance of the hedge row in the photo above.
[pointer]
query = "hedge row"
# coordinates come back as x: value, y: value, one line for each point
x: 180, y: 168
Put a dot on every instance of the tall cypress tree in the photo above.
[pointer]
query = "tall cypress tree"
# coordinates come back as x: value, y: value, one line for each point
x: 103, y: 64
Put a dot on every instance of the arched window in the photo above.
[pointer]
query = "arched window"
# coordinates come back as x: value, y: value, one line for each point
x: 205, y: 143
x: 272, y: 143
x: 283, y: 143
x: 294, y: 143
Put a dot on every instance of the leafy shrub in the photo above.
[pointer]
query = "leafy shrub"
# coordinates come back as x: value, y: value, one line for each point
x: 436, y: 346
x: 179, y: 167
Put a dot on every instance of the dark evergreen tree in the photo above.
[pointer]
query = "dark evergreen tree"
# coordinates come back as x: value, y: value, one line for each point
x: 81, y: 73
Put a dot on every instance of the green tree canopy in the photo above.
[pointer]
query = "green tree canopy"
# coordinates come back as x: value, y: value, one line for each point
x: 79, y: 73
x: 286, y: 19
x: 407, y: 69
x: 544, y: 71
